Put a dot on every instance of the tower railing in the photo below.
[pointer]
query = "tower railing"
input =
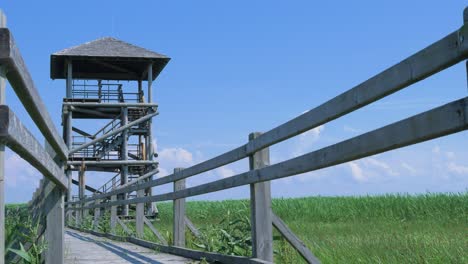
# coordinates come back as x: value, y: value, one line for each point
x: 103, y: 92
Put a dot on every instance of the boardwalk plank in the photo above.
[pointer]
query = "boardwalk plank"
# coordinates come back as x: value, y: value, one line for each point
x: 82, y: 248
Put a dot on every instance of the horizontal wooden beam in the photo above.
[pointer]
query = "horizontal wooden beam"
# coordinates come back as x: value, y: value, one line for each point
x: 92, y: 112
x: 434, y: 58
x: 110, y: 163
x: 18, y: 76
x: 441, y: 121
x: 17, y: 137
x: 105, y: 105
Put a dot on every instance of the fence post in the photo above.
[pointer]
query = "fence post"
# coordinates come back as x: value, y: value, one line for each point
x: 55, y: 217
x: 260, y: 207
x: 140, y: 214
x: 2, y: 163
x: 113, y: 217
x: 81, y: 191
x: 77, y: 215
x: 124, y: 156
x: 67, y: 131
x: 179, y: 214
x: 55, y: 223
x: 97, y: 214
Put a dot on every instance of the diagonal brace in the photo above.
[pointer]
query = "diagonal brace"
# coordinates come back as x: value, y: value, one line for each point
x: 120, y: 129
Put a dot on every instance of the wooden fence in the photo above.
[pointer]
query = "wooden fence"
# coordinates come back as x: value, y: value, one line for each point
x: 47, y: 205
x: 49, y: 159
x: 437, y: 122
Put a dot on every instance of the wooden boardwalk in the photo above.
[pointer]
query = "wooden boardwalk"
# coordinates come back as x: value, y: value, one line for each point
x: 85, y: 248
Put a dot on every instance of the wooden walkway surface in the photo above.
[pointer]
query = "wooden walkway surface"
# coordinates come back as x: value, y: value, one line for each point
x: 81, y: 248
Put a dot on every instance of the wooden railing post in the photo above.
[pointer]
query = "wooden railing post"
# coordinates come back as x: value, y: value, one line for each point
x: 76, y: 209
x: 179, y: 214
x: 113, y: 216
x: 55, y: 223
x: 81, y: 192
x: 55, y: 215
x: 97, y: 214
x: 2, y: 162
x: 260, y: 207
x: 140, y: 214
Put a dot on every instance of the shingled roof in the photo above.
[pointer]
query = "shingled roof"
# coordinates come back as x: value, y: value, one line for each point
x: 107, y: 58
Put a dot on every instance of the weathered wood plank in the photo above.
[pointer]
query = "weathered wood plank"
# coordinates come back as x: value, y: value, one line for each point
x: 84, y: 247
x: 188, y: 253
x: 20, y: 80
x: 17, y: 137
x: 113, y: 215
x: 294, y: 240
x: 55, y: 222
x: 55, y: 218
x: 140, y: 215
x: 260, y: 207
x: 436, y: 57
x: 97, y: 215
x: 438, y: 122
x: 179, y: 214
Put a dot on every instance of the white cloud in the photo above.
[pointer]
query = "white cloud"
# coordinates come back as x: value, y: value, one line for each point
x: 225, y: 172
x: 457, y: 169
x: 450, y: 155
x: 371, y: 168
x: 381, y: 165
x: 177, y: 155
x: 306, y: 140
x: 350, y: 129
x: 19, y: 172
x: 170, y: 158
x: 409, y: 168
x: 356, y: 172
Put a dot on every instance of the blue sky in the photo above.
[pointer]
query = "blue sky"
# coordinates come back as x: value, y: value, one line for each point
x: 244, y: 66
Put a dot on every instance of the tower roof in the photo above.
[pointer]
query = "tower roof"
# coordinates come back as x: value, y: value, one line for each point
x: 107, y: 58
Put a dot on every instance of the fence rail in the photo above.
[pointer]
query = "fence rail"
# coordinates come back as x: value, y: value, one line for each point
x: 441, y: 121
x: 47, y: 204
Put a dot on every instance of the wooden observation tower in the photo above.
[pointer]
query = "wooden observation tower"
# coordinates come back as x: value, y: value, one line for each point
x: 107, y: 113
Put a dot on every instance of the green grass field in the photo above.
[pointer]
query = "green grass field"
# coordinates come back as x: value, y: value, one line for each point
x: 431, y: 228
